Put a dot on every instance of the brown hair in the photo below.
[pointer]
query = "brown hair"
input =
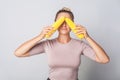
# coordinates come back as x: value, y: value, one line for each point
x: 67, y: 10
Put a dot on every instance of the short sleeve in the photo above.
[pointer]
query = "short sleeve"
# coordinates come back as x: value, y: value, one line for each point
x: 38, y: 48
x: 88, y: 51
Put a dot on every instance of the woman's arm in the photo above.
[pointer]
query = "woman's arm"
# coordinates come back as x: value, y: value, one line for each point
x: 101, y: 55
x: 23, y: 50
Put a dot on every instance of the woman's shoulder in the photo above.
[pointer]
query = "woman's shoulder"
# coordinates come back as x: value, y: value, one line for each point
x: 49, y: 41
x: 77, y: 40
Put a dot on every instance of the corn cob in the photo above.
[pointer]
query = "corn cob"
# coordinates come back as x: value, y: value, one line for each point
x: 55, y: 26
x: 72, y: 26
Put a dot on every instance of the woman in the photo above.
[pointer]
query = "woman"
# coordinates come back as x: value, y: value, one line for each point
x: 63, y: 60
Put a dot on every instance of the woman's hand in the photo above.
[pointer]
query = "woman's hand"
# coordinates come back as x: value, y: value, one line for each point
x: 45, y: 31
x: 81, y: 30
x: 101, y: 55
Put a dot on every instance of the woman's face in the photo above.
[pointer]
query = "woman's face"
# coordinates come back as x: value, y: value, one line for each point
x: 64, y: 28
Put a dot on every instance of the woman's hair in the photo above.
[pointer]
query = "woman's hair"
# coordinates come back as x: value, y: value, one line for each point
x: 66, y: 10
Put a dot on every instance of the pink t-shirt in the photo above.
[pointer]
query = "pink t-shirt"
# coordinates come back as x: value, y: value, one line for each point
x: 63, y: 59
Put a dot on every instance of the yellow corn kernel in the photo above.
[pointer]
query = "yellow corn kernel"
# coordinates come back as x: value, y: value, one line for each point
x: 55, y: 26
x: 72, y: 26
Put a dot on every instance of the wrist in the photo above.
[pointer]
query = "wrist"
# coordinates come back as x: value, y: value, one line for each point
x: 41, y: 36
x: 87, y: 37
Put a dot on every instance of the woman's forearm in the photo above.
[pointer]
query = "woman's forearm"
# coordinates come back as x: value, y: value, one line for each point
x: 25, y: 47
x: 22, y: 51
x: 101, y: 55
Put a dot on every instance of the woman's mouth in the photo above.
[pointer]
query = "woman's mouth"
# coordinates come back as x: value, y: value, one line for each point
x: 63, y: 29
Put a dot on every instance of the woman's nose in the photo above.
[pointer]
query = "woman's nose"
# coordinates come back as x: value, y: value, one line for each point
x: 64, y: 24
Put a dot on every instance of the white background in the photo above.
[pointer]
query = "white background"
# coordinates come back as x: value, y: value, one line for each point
x: 21, y: 20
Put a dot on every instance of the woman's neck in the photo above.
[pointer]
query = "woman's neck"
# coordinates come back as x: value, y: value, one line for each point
x: 64, y: 38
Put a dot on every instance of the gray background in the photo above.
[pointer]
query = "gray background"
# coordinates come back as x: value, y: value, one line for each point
x: 21, y: 20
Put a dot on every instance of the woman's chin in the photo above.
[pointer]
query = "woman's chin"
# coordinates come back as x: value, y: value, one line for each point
x: 64, y: 32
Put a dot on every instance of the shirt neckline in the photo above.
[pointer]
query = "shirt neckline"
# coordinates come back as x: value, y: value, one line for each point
x: 63, y: 43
